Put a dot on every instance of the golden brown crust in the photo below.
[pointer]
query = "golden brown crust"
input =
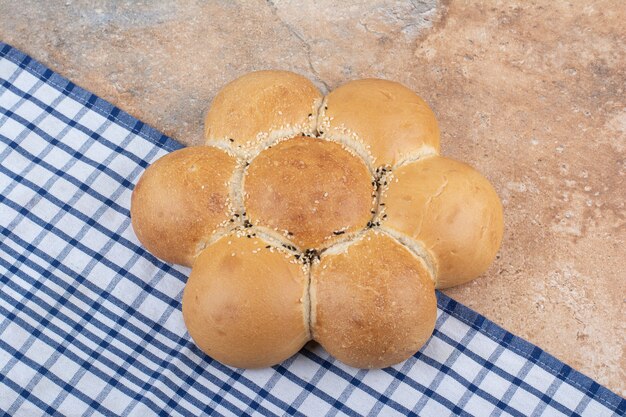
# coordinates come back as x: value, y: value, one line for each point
x: 180, y: 200
x: 389, y: 218
x: 311, y: 189
x: 244, y: 304
x: 373, y: 304
x: 391, y: 121
x: 453, y: 210
x: 252, y: 108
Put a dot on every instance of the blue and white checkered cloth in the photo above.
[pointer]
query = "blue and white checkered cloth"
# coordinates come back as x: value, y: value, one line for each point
x: 90, y: 323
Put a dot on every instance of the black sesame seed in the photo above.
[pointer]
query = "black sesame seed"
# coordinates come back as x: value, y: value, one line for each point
x: 310, y: 114
x: 236, y: 214
x: 268, y: 246
x: 231, y: 139
x: 339, y: 232
x: 310, y: 255
x: 247, y: 223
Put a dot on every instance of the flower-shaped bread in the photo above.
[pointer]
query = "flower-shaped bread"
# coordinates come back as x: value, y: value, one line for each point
x: 309, y: 217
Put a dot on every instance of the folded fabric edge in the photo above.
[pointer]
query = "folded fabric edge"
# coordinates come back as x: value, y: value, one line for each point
x: 466, y: 315
x: 532, y: 353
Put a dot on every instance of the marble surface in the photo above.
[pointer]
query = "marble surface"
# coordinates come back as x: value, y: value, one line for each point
x: 529, y: 92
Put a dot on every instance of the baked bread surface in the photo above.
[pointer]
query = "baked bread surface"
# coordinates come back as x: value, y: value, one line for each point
x: 307, y: 217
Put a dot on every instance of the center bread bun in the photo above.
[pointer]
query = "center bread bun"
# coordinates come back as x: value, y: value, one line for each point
x: 307, y: 217
x: 310, y: 190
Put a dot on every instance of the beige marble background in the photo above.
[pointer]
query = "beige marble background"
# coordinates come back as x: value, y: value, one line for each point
x: 529, y: 92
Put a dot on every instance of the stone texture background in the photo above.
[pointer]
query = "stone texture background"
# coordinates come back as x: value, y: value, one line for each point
x: 529, y: 92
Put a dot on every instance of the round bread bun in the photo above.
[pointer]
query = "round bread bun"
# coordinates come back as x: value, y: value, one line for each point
x: 180, y: 200
x: 246, y: 304
x: 373, y: 302
x: 313, y: 191
x: 453, y: 210
x: 259, y: 107
x: 383, y: 118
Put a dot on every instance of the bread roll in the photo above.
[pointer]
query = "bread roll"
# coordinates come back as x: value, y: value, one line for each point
x: 341, y: 237
x: 311, y: 190
x: 387, y: 120
x: 373, y: 302
x: 245, y: 304
x: 453, y: 210
x: 255, y: 109
x: 180, y: 200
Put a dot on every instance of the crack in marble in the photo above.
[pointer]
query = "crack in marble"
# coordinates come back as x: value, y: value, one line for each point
x: 303, y: 41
